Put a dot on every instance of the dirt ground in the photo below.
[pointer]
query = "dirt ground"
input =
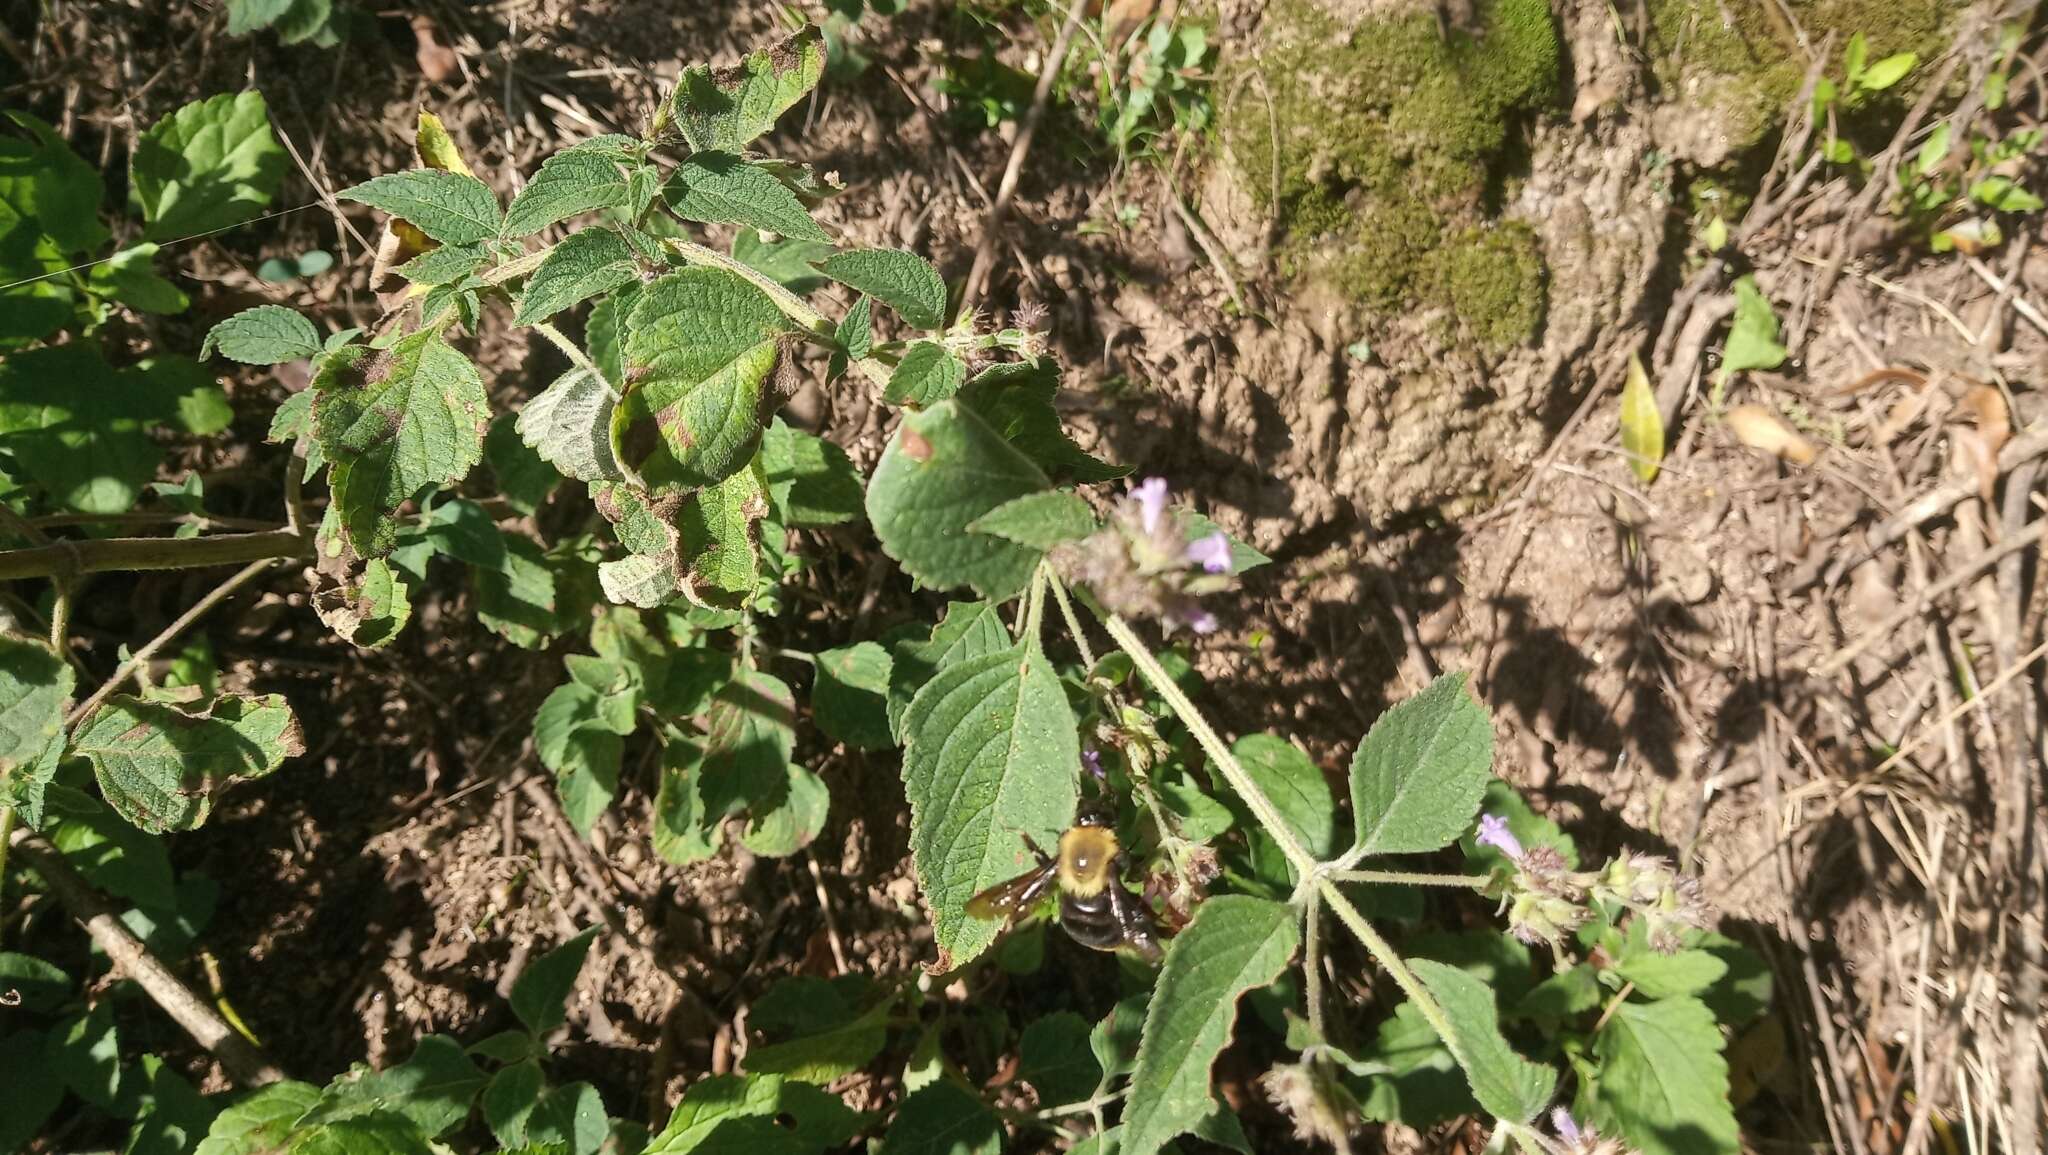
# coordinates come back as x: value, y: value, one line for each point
x: 1711, y: 667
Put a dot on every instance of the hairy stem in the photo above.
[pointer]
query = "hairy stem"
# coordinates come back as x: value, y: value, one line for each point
x: 1059, y: 595
x: 60, y: 617
x: 1409, y: 878
x: 792, y: 306
x: 1312, y: 965
x: 170, y: 634
x: 1219, y: 754
x: 1383, y: 953
x: 576, y: 355
x: 64, y: 560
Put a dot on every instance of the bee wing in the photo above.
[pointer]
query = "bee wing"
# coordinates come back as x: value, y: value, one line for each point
x: 1009, y: 899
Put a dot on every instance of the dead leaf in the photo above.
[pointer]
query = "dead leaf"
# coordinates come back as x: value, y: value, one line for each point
x: 1978, y: 446
x: 1761, y: 429
x: 1642, y: 424
x: 436, y: 60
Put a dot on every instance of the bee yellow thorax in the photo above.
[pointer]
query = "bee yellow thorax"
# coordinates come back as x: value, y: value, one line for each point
x: 1086, y: 856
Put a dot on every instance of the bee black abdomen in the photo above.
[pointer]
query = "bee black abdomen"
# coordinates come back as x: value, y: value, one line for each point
x: 1092, y: 922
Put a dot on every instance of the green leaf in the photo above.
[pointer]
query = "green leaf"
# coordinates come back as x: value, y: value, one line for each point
x: 1561, y: 996
x: 850, y: 698
x: 1934, y: 149
x: 130, y: 277
x: 681, y: 831
x: 1887, y: 72
x: 718, y: 536
x: 590, y: 262
x: 509, y: 1099
x: 750, y: 734
x: 261, y: 1122
x: 450, y: 207
x: 264, y: 335
x: 433, y: 1089
x: 944, y: 469
x: 77, y: 427
x: 541, y: 992
x: 39, y: 987
x: 927, y: 374
x: 1296, y: 787
x: 1015, y: 399
x: 35, y: 684
x: 160, y: 765
x: 515, y: 597
x: 34, y: 1088
x: 444, y: 264
x: 1418, y: 776
x: 708, y: 354
x: 47, y: 189
x: 1039, y: 520
x: 202, y: 406
x: 84, y: 1050
x: 716, y: 188
x: 1662, y: 976
x: 2004, y: 194
x: 1753, y: 337
x: 739, y: 1115
x: 209, y: 165
x: 943, y: 1119
x: 246, y: 16
x: 368, y: 608
x: 525, y: 479
x: 1410, y: 1075
x: 856, y: 331
x: 1053, y: 1056
x: 1491, y: 956
x: 569, y: 426
x: 394, y: 423
x: 824, y: 487
x: 901, y: 280
x: 1642, y: 423
x: 723, y: 109
x: 828, y: 1053
x: 1744, y: 991
x: 113, y: 855
x: 967, y: 630
x: 792, y: 824
x: 371, y: 1133
x: 990, y: 755
x: 1235, y: 944
x: 1662, y: 1084
x: 574, y: 181
x: 785, y: 260
x: 576, y: 735
x: 570, y: 1120
x: 304, y: 20
x: 1506, y: 1084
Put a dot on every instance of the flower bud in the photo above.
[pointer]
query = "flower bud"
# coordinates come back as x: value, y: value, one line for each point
x: 1308, y: 1093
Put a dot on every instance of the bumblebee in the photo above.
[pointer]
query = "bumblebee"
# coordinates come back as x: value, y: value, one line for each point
x: 1096, y: 909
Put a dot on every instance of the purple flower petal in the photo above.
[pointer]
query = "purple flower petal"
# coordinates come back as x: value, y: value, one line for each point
x: 1493, y: 831
x: 1203, y: 622
x: 1212, y: 553
x: 1091, y: 759
x: 1567, y: 1127
x: 1150, y: 495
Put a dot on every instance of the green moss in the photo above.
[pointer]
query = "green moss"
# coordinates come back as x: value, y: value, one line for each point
x: 1492, y: 279
x: 1372, y: 144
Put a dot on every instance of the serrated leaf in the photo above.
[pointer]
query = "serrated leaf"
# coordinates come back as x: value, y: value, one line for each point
x: 786, y: 260
x: 1570, y: 992
x: 372, y: 1133
x: 901, y: 280
x: 246, y: 16
x: 1039, y: 521
x: 1053, y: 1056
x: 1505, y: 1083
x: 1662, y: 1085
x: 750, y: 734
x: 570, y: 426
x: 944, y: 469
x: 590, y: 262
x: 739, y: 1114
x: 1015, y: 399
x: 967, y: 630
x: 719, y: 536
x: 264, y: 335
x: 856, y: 331
x: 574, y: 181
x: 642, y: 579
x: 828, y: 1050
x: 823, y: 486
x: 943, y: 1118
x: 1235, y: 944
x: 850, y: 699
x: 1410, y: 1075
x: 706, y: 353
x: 789, y: 826
x: 515, y: 597
x: 130, y: 277
x: 78, y: 427
x: 393, y: 423
x: 1753, y: 337
x: 542, y: 990
x: 509, y: 1099
x: 1418, y: 776
x: 990, y: 754
x: 576, y: 737
x: 722, y: 109
x: 35, y: 685
x: 569, y: 1120
x: 525, y: 479
x: 1658, y: 975
x: 367, y: 609
x: 260, y: 1123
x: 927, y: 374
x: 452, y: 208
x: 433, y: 1090
x: 444, y: 265
x: 160, y: 766
x: 1642, y: 423
x: 1296, y: 787
x: 604, y: 331
x: 717, y: 188
x: 209, y: 165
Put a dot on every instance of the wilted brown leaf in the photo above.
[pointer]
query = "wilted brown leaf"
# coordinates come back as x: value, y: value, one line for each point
x: 1761, y: 429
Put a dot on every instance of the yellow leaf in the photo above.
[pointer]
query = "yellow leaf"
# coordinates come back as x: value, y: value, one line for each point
x: 1642, y: 425
x: 436, y: 148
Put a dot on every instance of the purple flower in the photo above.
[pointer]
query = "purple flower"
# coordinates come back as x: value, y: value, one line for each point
x: 1151, y: 498
x: 1212, y: 552
x: 1493, y: 831
x: 1091, y: 759
x: 1203, y: 622
x: 1567, y: 1127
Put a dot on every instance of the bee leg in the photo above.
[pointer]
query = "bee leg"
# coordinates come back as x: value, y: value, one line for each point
x: 1134, y: 923
x: 1031, y: 844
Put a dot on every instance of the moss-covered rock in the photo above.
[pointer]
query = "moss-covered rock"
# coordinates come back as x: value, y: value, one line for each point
x: 1382, y: 146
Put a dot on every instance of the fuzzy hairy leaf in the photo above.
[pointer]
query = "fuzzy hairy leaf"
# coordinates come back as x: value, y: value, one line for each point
x: 1296, y: 786
x: 1039, y: 520
x: 738, y: 1114
x: 966, y: 630
x: 35, y: 684
x: 850, y: 699
x: 370, y: 1133
x: 576, y: 180
x: 927, y: 374
x: 368, y: 608
x: 444, y: 265
x: 211, y: 164
x: 1420, y: 771
x: 706, y: 352
x: 590, y: 262
x: 264, y: 335
x: 943, y: 1118
x: 1015, y: 399
x: 1235, y: 944
x: 160, y: 766
x: 990, y: 753
x: 1505, y: 1083
x: 261, y: 1122
x: 856, y: 331
x: 822, y: 485
x: 570, y: 426
x: 901, y: 280
x: 944, y: 469
x: 716, y: 188
x: 1663, y: 1084
x: 393, y: 423
x: 450, y: 207
x: 433, y: 1090
x: 720, y: 539
x: 542, y: 991
x: 723, y: 109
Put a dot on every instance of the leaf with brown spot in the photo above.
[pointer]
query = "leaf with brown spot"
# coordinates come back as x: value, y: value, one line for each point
x: 723, y: 109
x: 161, y: 766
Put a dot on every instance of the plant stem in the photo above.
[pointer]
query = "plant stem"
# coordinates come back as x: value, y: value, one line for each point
x: 67, y: 559
x: 1030, y: 625
x: 1059, y: 595
x: 792, y: 306
x: 1397, y: 969
x: 1312, y: 965
x: 1409, y: 878
x: 575, y: 354
x: 170, y: 633
x: 60, y: 617
x: 1262, y: 807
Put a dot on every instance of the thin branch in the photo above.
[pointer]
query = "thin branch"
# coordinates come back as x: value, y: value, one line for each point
x: 170, y: 634
x: 992, y: 229
x: 1957, y: 577
x: 1410, y: 878
x: 244, y: 1063
x: 64, y: 560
